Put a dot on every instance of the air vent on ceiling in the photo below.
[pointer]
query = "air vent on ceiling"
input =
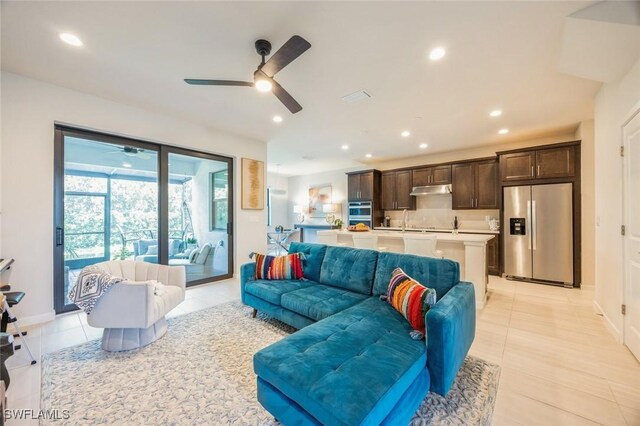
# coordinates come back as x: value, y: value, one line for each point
x: 359, y: 96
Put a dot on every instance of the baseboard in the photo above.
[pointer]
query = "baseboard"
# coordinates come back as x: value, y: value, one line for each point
x: 480, y: 303
x: 37, y: 319
x: 617, y: 335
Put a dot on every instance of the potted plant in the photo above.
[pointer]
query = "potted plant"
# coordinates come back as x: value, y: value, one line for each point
x: 338, y: 222
x: 192, y: 242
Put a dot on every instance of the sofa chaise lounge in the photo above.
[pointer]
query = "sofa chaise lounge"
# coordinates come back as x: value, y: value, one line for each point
x: 353, y: 361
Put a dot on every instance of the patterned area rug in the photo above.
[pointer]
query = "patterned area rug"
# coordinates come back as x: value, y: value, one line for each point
x: 201, y: 373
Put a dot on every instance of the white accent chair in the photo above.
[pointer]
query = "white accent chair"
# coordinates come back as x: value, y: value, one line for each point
x: 366, y: 240
x: 422, y: 245
x: 329, y: 238
x: 131, y: 314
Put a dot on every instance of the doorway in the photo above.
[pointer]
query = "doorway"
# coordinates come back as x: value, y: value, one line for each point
x: 631, y: 141
x: 117, y: 198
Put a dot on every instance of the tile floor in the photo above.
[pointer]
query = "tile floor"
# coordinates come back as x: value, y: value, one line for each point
x: 559, y: 363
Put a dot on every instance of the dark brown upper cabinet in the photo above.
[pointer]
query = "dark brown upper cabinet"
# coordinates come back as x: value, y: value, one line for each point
x: 518, y: 166
x: 463, y: 186
x: 475, y: 185
x: 556, y: 162
x: 361, y: 186
x: 438, y: 175
x: 544, y: 163
x: 488, y: 190
x: 396, y: 187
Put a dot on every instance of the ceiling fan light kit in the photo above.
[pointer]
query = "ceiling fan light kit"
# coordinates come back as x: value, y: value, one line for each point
x: 263, y: 76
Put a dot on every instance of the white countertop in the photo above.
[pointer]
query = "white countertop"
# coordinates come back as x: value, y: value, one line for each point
x: 460, y: 231
x: 445, y: 237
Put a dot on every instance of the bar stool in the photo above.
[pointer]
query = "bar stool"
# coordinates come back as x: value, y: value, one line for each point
x: 12, y: 298
x: 329, y: 238
x: 366, y: 240
x: 422, y: 245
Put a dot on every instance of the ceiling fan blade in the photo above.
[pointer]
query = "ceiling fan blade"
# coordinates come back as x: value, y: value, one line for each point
x: 284, y: 97
x: 217, y: 82
x: 288, y: 53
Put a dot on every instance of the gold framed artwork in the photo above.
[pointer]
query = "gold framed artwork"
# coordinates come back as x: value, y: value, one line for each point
x: 252, y: 184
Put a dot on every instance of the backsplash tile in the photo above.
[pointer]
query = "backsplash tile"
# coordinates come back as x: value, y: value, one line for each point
x: 435, y: 211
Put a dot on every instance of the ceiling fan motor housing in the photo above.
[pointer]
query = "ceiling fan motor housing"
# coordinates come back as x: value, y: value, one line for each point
x: 263, y: 47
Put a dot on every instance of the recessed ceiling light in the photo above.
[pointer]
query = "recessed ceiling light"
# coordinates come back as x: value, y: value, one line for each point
x: 71, y: 39
x: 405, y: 134
x: 437, y: 53
x: 503, y: 131
x: 495, y: 113
x: 277, y: 119
x: 368, y: 155
x: 423, y: 145
x: 345, y: 147
x: 125, y: 164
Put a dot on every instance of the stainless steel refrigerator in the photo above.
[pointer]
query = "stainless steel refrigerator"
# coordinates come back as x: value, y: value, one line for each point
x: 538, y: 233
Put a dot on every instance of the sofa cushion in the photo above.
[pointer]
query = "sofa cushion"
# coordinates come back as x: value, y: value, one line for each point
x: 351, y: 368
x: 174, y: 246
x: 438, y: 274
x: 313, y: 257
x: 320, y: 301
x: 272, y: 290
x: 203, y: 254
x: 349, y: 268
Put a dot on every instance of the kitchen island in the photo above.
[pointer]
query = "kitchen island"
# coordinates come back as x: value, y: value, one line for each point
x: 470, y: 250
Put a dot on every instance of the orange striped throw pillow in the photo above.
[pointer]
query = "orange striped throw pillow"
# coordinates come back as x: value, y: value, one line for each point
x: 410, y: 298
x: 288, y: 267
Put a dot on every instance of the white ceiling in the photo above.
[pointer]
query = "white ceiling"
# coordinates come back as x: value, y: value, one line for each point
x: 499, y: 55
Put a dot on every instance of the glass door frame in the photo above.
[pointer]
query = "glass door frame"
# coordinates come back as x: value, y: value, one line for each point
x: 163, y: 151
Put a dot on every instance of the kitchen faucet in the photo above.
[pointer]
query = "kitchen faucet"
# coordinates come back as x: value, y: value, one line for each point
x: 404, y: 219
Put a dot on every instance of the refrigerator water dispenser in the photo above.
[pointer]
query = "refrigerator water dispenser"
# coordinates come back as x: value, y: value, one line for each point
x: 517, y: 226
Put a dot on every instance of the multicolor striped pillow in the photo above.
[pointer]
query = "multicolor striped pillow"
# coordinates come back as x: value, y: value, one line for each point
x: 287, y: 267
x: 410, y: 298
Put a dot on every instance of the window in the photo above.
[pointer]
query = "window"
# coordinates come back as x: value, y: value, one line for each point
x: 220, y: 204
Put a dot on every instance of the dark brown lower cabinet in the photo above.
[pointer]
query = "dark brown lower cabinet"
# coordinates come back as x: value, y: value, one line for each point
x: 493, y: 256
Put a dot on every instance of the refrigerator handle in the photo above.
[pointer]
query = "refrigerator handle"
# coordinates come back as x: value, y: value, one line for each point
x: 534, y: 225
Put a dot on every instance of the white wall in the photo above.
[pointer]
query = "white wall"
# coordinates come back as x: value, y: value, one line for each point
x: 29, y: 109
x: 279, y: 186
x: 586, y: 134
x: 614, y: 103
x: 299, y: 192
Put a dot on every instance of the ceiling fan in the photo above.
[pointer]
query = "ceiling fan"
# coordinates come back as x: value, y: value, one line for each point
x: 263, y: 76
x: 131, y: 151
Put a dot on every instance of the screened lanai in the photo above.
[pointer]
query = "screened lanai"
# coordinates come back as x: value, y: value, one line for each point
x: 111, y: 209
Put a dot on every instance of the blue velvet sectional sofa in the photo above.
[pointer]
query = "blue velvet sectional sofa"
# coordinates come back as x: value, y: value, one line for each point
x: 353, y: 362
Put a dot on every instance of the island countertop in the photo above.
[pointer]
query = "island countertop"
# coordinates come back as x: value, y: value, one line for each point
x: 436, y: 230
x: 444, y: 237
x: 469, y: 250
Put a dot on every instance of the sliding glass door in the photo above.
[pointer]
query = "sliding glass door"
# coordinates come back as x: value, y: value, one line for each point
x: 117, y: 198
x: 199, y: 225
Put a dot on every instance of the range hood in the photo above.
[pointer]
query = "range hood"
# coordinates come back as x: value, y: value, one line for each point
x: 431, y: 190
